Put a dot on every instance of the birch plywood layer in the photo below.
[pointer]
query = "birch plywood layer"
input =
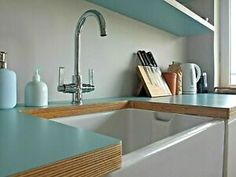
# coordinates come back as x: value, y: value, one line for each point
x: 49, y: 113
x: 92, y: 164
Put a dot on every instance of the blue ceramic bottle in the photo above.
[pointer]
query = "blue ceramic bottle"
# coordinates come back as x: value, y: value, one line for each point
x: 7, y: 84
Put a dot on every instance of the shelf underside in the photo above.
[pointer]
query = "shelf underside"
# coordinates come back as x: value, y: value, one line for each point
x: 184, y: 1
x: 168, y: 15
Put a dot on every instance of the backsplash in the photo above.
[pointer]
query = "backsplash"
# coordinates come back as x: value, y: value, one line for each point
x: 40, y: 34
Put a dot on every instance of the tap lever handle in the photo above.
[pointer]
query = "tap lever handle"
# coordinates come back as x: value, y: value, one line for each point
x: 61, y: 75
x: 91, y: 74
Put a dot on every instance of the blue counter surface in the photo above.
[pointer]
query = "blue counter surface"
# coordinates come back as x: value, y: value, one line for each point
x: 27, y: 142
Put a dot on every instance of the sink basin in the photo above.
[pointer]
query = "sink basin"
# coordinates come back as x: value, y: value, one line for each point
x: 156, y: 142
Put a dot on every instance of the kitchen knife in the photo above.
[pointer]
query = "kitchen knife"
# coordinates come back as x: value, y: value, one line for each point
x: 148, y: 64
x: 158, y: 74
x: 143, y: 62
x: 157, y: 83
x: 140, y: 58
x: 154, y: 62
x: 149, y: 54
x: 146, y: 58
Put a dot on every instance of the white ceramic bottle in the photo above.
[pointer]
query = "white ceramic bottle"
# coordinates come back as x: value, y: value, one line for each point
x: 7, y: 84
x: 36, y: 92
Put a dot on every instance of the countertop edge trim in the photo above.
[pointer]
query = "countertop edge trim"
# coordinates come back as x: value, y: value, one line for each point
x: 91, y: 164
x: 49, y: 113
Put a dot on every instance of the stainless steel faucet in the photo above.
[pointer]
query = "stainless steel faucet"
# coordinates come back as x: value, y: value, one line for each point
x: 77, y: 87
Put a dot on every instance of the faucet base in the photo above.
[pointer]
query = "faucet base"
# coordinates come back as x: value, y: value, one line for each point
x: 77, y: 98
x: 80, y: 102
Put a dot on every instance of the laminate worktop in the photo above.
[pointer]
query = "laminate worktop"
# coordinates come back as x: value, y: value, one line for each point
x: 212, y: 105
x: 32, y: 144
x: 29, y: 143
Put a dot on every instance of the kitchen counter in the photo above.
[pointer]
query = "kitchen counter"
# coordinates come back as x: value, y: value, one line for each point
x: 30, y: 145
x: 27, y: 142
x: 211, y: 105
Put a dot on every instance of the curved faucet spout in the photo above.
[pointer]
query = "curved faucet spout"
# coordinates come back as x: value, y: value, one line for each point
x: 97, y: 15
x: 77, y: 87
x: 81, y: 21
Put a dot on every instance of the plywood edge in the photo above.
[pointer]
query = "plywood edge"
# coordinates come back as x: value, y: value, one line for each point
x: 91, y: 164
x: 72, y: 110
x: 232, y: 112
x: 222, y: 113
x: 49, y: 113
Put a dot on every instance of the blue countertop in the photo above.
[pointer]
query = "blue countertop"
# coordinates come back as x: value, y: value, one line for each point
x: 27, y: 142
x: 206, y: 100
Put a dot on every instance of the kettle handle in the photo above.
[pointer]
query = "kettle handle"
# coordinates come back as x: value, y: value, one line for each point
x: 198, y: 72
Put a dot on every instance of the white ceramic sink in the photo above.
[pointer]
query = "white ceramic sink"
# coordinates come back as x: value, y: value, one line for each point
x: 160, y: 144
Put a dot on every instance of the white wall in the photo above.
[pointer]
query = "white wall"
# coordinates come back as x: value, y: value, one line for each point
x: 200, y: 49
x: 41, y: 34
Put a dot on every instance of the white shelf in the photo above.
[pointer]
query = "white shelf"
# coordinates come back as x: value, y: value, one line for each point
x: 184, y: 1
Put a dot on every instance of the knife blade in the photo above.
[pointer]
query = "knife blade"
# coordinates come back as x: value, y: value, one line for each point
x: 158, y: 74
x: 162, y: 80
x: 156, y: 71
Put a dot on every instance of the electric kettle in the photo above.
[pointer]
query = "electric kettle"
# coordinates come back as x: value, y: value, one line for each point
x: 191, y: 75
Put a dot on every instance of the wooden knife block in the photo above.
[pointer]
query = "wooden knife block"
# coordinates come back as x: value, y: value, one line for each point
x: 152, y: 90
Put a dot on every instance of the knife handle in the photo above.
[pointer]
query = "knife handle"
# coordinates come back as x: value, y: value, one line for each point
x: 144, y: 58
x: 141, y: 58
x: 152, y: 59
x: 148, y: 59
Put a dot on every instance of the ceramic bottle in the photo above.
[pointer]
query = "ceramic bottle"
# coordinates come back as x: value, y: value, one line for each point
x: 7, y: 84
x: 36, y: 92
